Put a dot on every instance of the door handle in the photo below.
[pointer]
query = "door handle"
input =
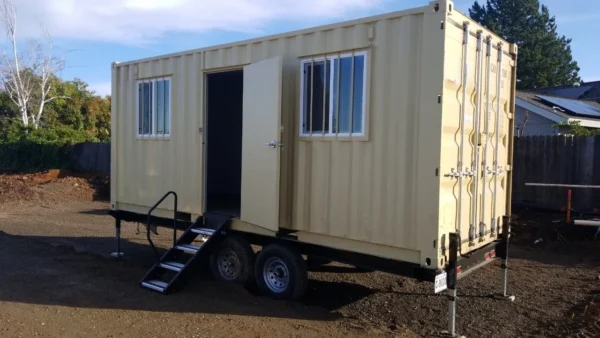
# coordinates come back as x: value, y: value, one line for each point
x: 274, y: 144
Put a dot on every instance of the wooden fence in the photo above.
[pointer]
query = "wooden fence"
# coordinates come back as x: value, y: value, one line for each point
x: 91, y: 157
x: 556, y: 160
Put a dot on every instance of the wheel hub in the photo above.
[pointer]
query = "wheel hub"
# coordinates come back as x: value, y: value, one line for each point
x: 229, y: 265
x: 276, y: 275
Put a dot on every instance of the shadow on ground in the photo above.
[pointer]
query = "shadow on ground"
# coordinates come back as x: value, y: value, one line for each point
x: 66, y: 271
x: 98, y: 212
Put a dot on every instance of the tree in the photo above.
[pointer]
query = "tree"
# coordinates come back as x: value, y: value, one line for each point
x: 27, y: 77
x: 8, y: 109
x: 96, y: 110
x: 574, y: 128
x: 83, y: 111
x: 545, y: 58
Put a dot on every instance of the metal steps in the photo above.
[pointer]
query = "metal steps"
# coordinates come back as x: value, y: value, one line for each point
x: 188, y: 248
x: 155, y: 285
x: 203, y: 231
x: 173, y: 266
x: 168, y: 274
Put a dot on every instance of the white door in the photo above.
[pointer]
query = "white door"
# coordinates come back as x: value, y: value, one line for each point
x: 261, y: 146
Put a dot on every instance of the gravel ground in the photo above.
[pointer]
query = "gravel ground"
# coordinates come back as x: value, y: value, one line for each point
x: 58, y: 280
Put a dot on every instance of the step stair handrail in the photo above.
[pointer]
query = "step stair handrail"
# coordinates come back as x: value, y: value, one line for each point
x: 174, y: 222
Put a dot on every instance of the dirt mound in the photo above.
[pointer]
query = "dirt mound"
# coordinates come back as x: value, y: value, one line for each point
x: 52, y: 186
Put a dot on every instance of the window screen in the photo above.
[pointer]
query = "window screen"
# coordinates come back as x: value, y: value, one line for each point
x: 154, y: 107
x: 333, y: 95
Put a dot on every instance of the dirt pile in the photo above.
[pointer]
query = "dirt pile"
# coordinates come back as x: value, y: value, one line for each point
x: 52, y: 186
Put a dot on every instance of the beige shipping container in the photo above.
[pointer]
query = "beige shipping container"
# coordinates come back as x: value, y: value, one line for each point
x: 379, y: 136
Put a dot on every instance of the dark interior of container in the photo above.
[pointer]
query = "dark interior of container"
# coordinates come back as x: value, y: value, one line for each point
x: 224, y: 142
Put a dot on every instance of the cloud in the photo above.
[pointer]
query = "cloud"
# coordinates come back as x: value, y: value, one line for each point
x: 143, y: 21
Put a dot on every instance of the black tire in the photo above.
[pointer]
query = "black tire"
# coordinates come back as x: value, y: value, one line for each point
x: 233, y: 261
x: 281, y: 272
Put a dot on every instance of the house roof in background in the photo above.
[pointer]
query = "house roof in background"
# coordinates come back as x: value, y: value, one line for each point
x: 577, y: 107
x: 548, y: 102
x: 587, y: 90
x: 568, y: 92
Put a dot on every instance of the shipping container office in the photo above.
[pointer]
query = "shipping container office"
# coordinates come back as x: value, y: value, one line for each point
x: 376, y: 141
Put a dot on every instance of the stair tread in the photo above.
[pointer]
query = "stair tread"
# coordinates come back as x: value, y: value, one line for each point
x: 188, y: 247
x: 174, y: 266
x: 203, y: 231
x: 155, y: 285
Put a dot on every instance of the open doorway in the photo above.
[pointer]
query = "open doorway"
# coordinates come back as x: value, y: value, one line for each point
x: 224, y: 93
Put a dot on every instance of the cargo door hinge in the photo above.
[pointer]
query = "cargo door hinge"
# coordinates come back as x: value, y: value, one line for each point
x: 439, y: 99
x: 454, y: 173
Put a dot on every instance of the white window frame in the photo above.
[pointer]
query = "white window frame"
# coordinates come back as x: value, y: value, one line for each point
x: 329, y: 58
x: 153, y: 123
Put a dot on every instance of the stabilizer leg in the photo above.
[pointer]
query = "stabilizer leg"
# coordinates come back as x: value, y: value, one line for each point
x: 504, y: 265
x: 452, y: 280
x: 118, y: 253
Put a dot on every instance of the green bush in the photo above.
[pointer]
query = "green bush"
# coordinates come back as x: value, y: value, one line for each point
x: 26, y: 156
x: 28, y: 150
x: 11, y: 130
x: 59, y: 135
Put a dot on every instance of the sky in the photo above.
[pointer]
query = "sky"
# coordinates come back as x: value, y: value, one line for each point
x: 91, y: 34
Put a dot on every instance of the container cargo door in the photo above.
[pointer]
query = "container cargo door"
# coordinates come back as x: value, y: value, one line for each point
x: 477, y: 134
x: 261, y: 147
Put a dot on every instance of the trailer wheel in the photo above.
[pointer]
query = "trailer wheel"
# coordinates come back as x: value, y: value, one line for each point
x: 233, y: 261
x: 281, y: 272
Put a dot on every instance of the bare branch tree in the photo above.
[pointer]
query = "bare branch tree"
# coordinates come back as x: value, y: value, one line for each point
x: 47, y: 66
x: 18, y: 89
x: 24, y: 77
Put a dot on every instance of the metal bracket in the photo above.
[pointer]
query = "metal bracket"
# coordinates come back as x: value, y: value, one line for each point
x: 472, y: 234
x: 454, y: 174
x: 496, y: 171
x: 470, y: 172
x: 481, y: 231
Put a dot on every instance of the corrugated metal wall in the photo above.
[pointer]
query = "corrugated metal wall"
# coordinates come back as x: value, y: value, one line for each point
x: 488, y: 92
x: 381, y: 188
x: 148, y: 167
x: 364, y: 190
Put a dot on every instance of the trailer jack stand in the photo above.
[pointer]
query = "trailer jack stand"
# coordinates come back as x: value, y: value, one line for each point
x: 118, y: 253
x: 451, y: 316
x: 504, y: 296
x: 454, y: 244
x: 504, y: 266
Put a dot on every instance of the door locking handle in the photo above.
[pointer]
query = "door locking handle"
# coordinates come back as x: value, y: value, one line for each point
x: 274, y: 144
